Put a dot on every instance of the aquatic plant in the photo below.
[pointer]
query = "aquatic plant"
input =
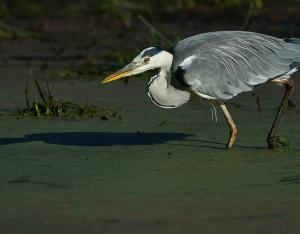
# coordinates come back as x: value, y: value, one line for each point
x: 46, y: 105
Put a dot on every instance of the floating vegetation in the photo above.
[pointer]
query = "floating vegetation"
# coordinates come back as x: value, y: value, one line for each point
x: 163, y: 123
x: 281, y: 143
x: 48, y: 106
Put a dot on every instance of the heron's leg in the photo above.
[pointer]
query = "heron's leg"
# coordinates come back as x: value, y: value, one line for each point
x: 289, y: 86
x: 233, y: 128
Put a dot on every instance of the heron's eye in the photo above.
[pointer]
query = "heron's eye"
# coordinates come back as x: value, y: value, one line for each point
x: 146, y: 60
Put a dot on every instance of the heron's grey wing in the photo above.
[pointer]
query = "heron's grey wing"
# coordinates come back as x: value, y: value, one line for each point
x: 222, y: 64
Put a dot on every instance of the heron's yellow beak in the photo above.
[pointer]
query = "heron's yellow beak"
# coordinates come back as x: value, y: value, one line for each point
x: 126, y: 71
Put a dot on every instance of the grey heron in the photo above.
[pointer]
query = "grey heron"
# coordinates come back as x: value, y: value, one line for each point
x: 217, y: 66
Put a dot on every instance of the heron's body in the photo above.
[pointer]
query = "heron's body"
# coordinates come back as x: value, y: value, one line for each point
x: 223, y: 64
x: 216, y: 66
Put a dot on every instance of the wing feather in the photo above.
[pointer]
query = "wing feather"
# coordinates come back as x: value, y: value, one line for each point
x: 227, y: 63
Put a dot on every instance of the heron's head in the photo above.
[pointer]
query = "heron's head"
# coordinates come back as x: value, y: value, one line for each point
x: 148, y: 59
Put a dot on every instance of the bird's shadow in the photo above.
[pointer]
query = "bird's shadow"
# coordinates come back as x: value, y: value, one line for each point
x: 98, y: 138
x: 116, y: 138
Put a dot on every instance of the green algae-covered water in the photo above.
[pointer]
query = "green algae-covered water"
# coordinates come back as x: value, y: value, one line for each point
x: 153, y: 171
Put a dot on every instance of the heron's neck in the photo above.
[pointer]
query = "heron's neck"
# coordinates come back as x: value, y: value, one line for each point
x: 163, y: 94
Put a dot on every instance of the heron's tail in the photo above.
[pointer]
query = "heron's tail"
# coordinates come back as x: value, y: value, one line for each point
x: 293, y: 45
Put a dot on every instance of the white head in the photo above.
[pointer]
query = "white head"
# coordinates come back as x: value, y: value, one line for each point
x: 148, y: 59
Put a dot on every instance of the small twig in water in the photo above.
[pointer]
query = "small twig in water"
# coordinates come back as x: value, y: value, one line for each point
x: 37, y: 109
x: 27, y: 89
x: 49, y: 90
x: 41, y: 93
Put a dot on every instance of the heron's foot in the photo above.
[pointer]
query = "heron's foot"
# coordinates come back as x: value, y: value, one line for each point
x: 230, y: 143
x: 277, y: 142
x: 228, y: 147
